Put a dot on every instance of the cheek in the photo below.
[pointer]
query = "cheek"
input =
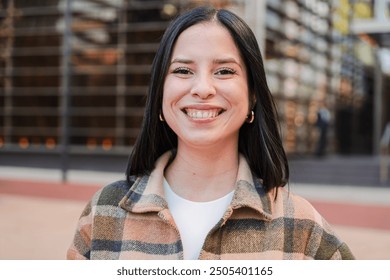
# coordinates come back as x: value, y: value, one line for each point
x: 167, y: 101
x: 173, y: 92
x: 169, y: 106
x: 167, y: 95
x: 165, y: 107
x: 240, y: 98
x: 170, y: 90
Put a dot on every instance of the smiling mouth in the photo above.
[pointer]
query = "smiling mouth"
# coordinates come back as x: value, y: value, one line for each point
x: 202, y: 114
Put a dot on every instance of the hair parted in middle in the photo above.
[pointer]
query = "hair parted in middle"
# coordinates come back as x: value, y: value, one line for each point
x: 259, y: 142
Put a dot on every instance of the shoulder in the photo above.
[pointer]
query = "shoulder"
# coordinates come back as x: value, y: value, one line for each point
x: 112, y: 193
x: 309, y: 224
x: 292, y: 202
x: 299, y: 211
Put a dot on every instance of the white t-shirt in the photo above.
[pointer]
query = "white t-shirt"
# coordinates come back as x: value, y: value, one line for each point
x: 195, y: 219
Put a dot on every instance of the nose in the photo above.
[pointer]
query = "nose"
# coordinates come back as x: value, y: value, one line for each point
x: 203, y: 87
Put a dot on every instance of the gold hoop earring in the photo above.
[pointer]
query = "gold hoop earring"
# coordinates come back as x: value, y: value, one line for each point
x: 250, y: 117
x: 160, y: 116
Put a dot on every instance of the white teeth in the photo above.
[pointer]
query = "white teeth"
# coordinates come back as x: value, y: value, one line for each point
x: 202, y: 114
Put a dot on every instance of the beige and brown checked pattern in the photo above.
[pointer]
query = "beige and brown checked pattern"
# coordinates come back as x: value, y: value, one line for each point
x: 132, y: 221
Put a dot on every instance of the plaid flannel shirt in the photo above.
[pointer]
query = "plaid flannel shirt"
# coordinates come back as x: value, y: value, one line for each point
x: 132, y: 221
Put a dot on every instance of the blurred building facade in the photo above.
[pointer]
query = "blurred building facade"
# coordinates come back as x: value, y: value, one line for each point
x: 74, y: 74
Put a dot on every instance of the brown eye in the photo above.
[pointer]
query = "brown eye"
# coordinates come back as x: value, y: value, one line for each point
x: 225, y: 71
x: 182, y: 71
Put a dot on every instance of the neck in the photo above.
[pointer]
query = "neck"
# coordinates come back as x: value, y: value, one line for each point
x: 203, y: 174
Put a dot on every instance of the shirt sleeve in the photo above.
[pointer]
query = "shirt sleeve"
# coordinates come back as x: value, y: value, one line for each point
x: 81, y: 246
x: 343, y: 253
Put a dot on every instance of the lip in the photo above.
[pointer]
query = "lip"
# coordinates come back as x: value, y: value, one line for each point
x: 201, y: 112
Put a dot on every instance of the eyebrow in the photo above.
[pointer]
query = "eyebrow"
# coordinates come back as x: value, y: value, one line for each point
x: 215, y: 61
x: 220, y: 61
x: 182, y: 60
x: 225, y: 60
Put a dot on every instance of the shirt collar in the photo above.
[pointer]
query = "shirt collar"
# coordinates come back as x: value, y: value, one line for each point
x: 147, y: 192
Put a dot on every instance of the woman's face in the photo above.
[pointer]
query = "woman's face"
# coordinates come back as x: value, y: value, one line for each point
x: 205, y: 97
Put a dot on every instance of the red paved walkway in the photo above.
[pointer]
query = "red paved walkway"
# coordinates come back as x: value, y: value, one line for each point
x: 348, y: 214
x: 357, y: 215
x: 71, y: 191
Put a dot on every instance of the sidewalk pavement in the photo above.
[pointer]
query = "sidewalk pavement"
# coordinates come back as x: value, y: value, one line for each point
x: 38, y: 213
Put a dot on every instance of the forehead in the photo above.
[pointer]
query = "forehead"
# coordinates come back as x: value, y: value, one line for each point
x: 208, y: 38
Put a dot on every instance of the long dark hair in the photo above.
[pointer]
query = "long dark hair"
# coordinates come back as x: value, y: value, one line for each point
x: 259, y: 142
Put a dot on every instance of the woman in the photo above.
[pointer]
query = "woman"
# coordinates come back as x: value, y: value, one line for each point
x: 205, y: 178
